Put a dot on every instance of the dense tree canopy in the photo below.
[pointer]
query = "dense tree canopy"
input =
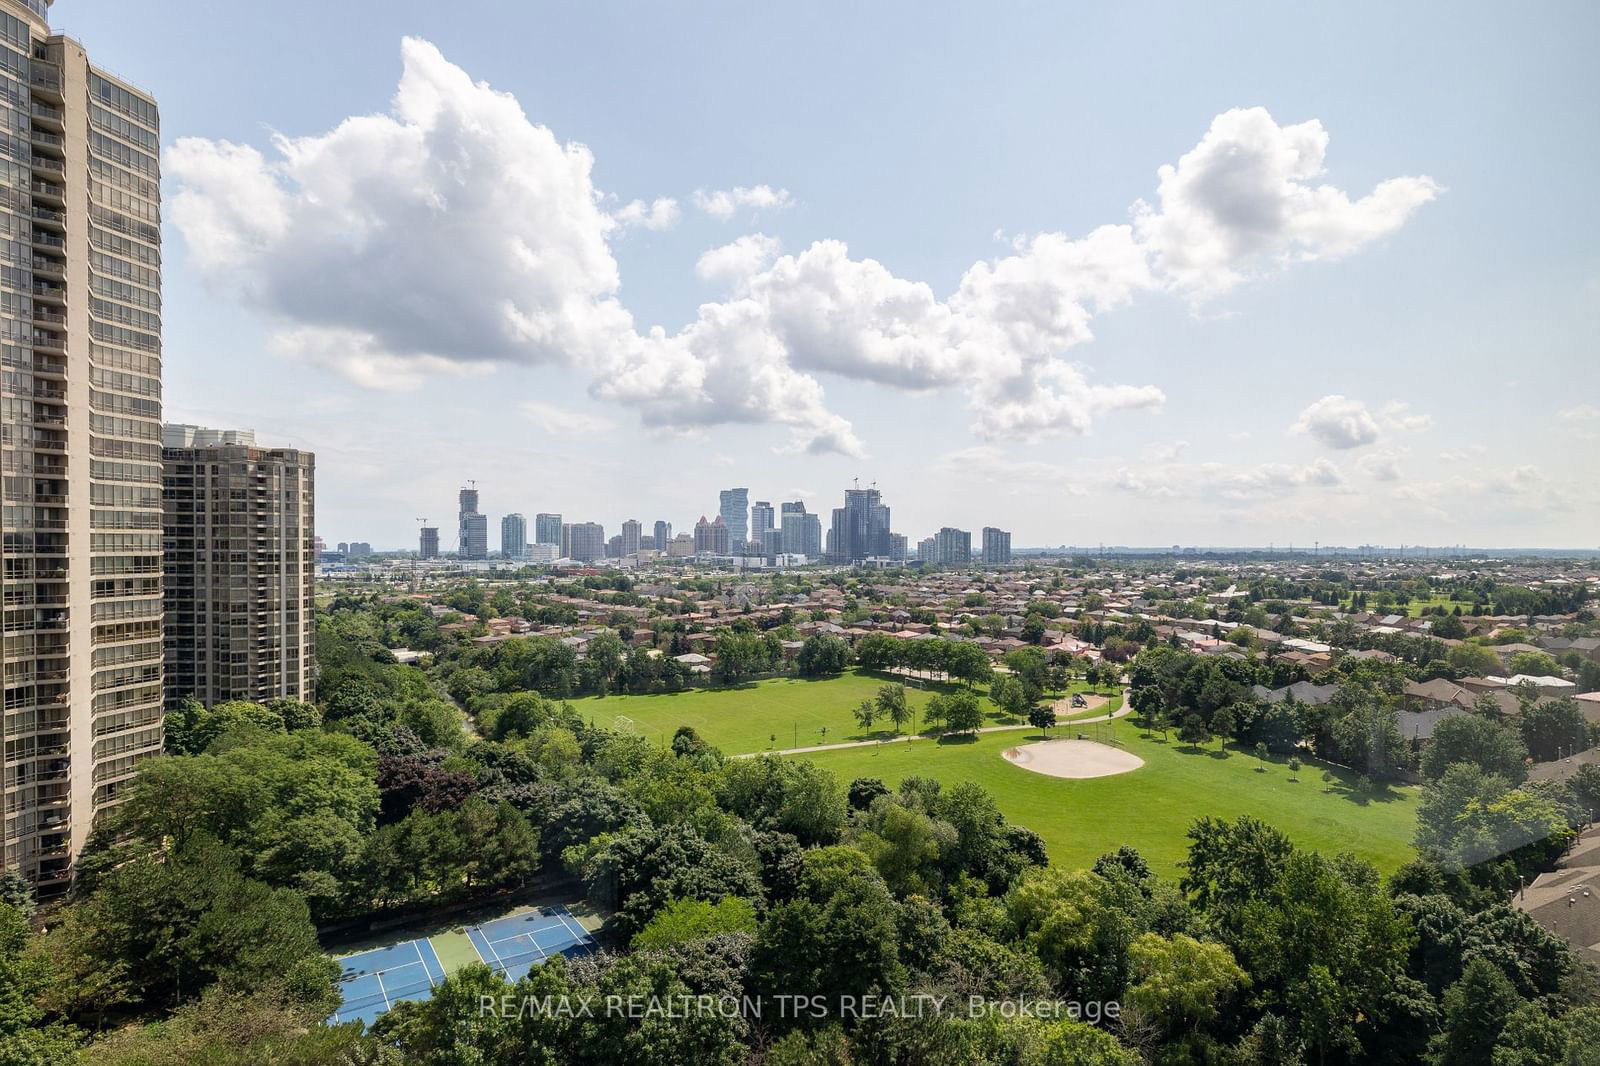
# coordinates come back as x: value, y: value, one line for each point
x: 189, y: 935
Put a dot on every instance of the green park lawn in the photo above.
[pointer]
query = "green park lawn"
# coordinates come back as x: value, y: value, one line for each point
x: 1152, y: 807
x: 1415, y: 607
x: 745, y: 718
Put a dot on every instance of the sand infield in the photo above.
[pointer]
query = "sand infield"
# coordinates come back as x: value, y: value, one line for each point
x: 1073, y: 758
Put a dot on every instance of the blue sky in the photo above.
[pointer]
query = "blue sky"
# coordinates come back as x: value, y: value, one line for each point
x: 1416, y: 367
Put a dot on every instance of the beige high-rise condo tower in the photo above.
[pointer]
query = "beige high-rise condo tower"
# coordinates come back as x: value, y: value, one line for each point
x: 80, y: 439
x: 240, y: 567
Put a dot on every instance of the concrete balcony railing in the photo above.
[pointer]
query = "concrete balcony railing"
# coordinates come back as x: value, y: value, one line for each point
x: 46, y: 76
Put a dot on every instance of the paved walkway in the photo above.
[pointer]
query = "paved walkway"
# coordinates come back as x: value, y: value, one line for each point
x: 1123, y: 712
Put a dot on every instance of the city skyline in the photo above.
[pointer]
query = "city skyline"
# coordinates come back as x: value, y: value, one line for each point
x: 868, y: 534
x: 1005, y: 542
x: 1264, y: 368
x: 988, y: 543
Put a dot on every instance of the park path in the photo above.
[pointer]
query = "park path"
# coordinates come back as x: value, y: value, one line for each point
x: 1122, y: 712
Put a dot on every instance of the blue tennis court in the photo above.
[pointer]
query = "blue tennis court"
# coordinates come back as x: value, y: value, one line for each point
x: 516, y: 944
x: 373, y: 981
x: 376, y: 980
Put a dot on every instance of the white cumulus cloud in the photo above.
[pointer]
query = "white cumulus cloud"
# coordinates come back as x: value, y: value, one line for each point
x: 1245, y: 200
x: 725, y: 203
x: 662, y: 213
x: 1338, y: 422
x: 452, y: 232
x: 451, y: 227
x: 739, y: 259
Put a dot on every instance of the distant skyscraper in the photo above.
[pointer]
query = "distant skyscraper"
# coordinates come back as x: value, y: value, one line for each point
x: 712, y: 538
x: 772, y: 544
x: 802, y: 532
x: 996, y: 546
x: 811, y: 537
x: 952, y: 547
x: 474, y: 537
x: 793, y: 532
x: 925, y: 552
x: 472, y: 528
x: 513, y: 536
x: 791, y: 523
x: 239, y: 580
x: 547, y: 529
x: 630, y: 536
x: 663, y: 533
x: 860, y: 527
x: 583, y: 542
x: 762, y: 518
x: 735, y: 511
x: 428, y: 542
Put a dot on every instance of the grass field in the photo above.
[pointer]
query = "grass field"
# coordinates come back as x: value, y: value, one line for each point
x: 1151, y: 808
x: 746, y: 718
x: 1415, y: 607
